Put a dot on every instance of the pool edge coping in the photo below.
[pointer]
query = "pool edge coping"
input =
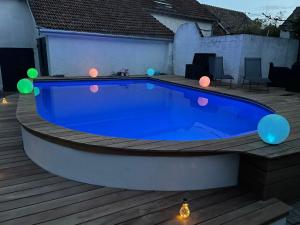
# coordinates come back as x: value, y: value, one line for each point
x: 26, y: 113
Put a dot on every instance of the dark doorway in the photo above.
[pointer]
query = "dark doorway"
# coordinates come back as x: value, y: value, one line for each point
x: 14, y: 63
x: 43, y: 58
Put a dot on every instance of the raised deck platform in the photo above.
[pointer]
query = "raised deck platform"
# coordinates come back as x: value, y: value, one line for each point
x: 30, y: 195
x: 271, y: 171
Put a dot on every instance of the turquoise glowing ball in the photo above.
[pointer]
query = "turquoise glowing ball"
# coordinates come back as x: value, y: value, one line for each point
x: 273, y: 129
x: 150, y: 72
x: 25, y: 86
x: 36, y: 91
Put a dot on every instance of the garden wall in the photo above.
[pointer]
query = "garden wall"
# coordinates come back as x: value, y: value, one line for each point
x: 233, y: 48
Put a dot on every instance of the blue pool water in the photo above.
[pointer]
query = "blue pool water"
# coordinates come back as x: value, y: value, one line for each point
x: 146, y: 109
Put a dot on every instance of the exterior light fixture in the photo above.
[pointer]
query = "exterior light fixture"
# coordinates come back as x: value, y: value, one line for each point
x: 4, y: 101
x: 184, y: 210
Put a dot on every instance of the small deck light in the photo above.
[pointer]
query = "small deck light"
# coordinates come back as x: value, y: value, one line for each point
x: 25, y: 86
x: 32, y: 73
x: 184, y: 210
x: 150, y: 72
x: 273, y: 129
x: 204, y: 81
x: 93, y: 72
x: 4, y: 101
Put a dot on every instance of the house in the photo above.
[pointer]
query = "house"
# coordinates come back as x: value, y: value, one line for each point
x: 71, y: 36
x: 112, y: 35
x: 286, y: 29
x: 228, y: 21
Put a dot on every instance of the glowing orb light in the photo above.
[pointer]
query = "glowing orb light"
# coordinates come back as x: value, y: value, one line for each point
x: 93, y: 72
x: 202, y: 101
x: 150, y: 72
x: 32, y: 73
x: 204, y: 81
x: 94, y: 88
x: 25, y: 86
x: 273, y: 129
x: 36, y: 91
x: 150, y: 86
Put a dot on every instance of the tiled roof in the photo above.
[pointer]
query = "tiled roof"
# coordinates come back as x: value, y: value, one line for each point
x: 122, y: 17
x: 288, y: 24
x: 231, y: 21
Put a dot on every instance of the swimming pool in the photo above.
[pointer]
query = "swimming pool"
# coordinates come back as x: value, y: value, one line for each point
x: 146, y: 109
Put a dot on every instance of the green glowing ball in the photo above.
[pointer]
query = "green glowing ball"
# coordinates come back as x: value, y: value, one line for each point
x: 32, y: 73
x: 36, y: 91
x: 25, y: 86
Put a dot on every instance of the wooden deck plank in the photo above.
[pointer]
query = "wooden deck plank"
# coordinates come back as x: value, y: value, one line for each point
x: 244, y: 210
x: 262, y: 216
x: 76, y: 195
x: 64, y: 215
x: 169, y: 213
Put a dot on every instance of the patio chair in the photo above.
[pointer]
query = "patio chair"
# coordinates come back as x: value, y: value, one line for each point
x: 279, y: 76
x: 253, y: 73
x: 200, y: 66
x: 293, y: 83
x: 218, y: 71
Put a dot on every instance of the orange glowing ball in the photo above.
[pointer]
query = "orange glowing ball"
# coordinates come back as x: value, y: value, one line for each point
x: 204, y: 81
x: 93, y: 72
x: 202, y: 101
x: 94, y: 88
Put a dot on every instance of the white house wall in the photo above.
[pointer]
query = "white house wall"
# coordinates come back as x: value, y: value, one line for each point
x: 76, y: 54
x: 17, y: 29
x: 16, y: 26
x: 173, y: 23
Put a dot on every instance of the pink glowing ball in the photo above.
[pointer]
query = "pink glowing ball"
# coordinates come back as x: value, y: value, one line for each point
x: 93, y: 72
x: 204, y: 81
x: 202, y: 101
x: 94, y: 88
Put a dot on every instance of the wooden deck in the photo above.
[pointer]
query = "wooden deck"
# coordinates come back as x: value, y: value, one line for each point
x: 31, y: 195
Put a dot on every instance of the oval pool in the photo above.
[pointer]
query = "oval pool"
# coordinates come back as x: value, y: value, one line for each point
x: 146, y: 109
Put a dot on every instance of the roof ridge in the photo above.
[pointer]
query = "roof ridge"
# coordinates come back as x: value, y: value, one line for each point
x: 213, y: 6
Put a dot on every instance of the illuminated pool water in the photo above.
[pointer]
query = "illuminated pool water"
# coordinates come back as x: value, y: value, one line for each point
x: 146, y: 109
